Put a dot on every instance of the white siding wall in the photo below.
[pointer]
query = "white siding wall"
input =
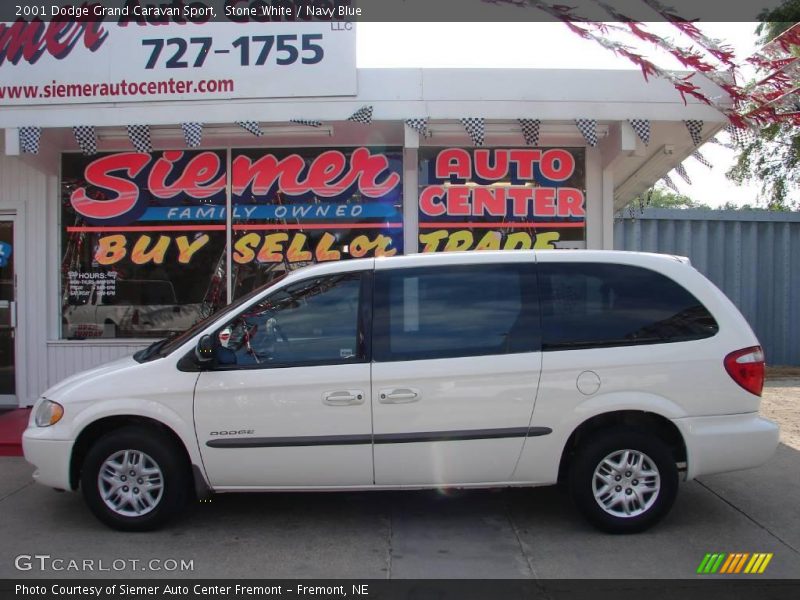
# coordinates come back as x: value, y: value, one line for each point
x: 67, y: 357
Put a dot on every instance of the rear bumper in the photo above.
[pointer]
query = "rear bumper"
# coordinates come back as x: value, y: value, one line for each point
x: 50, y: 457
x: 726, y: 443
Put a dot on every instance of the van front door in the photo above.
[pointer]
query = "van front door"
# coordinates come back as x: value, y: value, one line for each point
x: 288, y: 402
x: 456, y: 370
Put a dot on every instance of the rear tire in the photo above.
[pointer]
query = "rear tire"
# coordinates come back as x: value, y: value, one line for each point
x: 135, y: 479
x: 623, y: 480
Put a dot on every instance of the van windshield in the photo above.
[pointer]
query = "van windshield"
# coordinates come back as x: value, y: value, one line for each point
x: 168, y: 345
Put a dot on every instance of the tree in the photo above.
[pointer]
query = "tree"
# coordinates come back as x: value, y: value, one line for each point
x: 661, y: 198
x: 772, y: 156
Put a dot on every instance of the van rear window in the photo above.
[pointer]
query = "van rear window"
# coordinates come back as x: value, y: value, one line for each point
x: 589, y: 305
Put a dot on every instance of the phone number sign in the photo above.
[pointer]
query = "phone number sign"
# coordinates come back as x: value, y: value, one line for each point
x: 64, y: 62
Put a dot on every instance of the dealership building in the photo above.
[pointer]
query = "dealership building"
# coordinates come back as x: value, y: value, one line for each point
x: 145, y: 182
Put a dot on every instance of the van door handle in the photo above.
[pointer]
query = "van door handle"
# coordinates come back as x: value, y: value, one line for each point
x: 343, y: 398
x: 399, y: 396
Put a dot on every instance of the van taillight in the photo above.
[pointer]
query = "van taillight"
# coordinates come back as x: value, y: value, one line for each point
x: 746, y: 367
x: 135, y: 318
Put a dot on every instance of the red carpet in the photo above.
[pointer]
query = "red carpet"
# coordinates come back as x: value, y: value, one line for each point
x: 12, y: 424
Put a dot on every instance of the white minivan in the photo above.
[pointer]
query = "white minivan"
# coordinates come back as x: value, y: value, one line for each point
x: 617, y: 373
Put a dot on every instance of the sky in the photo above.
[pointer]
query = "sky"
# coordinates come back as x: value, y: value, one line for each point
x: 530, y: 45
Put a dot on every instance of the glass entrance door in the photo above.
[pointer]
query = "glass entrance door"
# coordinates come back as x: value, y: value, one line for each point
x: 8, y: 315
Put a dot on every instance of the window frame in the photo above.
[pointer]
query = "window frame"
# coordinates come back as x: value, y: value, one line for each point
x: 381, y: 322
x: 363, y: 327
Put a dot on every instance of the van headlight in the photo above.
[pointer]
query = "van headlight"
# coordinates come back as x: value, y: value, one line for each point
x: 48, y: 413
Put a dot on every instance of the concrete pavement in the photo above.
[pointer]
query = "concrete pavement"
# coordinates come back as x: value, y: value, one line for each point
x: 517, y: 533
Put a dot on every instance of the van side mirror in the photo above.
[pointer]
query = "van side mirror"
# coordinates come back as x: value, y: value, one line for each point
x: 204, y: 351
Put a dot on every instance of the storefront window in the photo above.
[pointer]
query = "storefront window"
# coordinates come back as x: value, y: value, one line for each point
x: 298, y: 206
x: 502, y: 199
x: 143, y: 242
x: 144, y: 235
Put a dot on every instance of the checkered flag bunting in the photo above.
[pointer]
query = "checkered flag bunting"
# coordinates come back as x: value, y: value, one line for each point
x: 86, y: 138
x: 670, y: 184
x: 251, y: 126
x: 29, y: 139
x: 192, y: 133
x: 702, y: 159
x: 306, y: 122
x: 681, y: 170
x: 588, y: 128
x: 530, y: 130
x: 476, y: 129
x: 419, y: 125
x: 139, y: 135
x: 362, y: 115
x: 715, y: 140
x: 740, y: 136
x: 642, y: 129
x: 695, y: 128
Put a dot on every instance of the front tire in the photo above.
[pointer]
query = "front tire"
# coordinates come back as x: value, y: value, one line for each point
x: 135, y: 479
x: 623, y: 480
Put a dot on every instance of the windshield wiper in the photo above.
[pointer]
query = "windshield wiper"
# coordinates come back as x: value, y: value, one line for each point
x: 151, y: 350
x: 157, y: 350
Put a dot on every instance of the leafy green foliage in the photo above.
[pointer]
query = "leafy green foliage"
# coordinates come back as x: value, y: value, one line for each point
x: 661, y: 198
x: 772, y: 157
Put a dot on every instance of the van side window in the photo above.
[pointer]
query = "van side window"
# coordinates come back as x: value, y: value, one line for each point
x: 454, y: 311
x: 591, y: 305
x: 311, y: 322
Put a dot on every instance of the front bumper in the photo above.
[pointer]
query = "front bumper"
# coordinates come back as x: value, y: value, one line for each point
x: 50, y: 457
x: 726, y: 443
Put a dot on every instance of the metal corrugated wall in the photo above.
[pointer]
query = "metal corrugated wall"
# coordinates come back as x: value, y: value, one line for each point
x: 752, y: 256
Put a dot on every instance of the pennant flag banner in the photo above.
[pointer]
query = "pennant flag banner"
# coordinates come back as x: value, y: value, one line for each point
x: 670, y: 184
x: 251, y: 126
x: 192, y: 133
x: 702, y: 159
x: 139, y: 135
x: 681, y: 170
x: 642, y: 129
x: 715, y: 140
x: 475, y: 128
x: 29, y: 139
x: 740, y: 136
x: 695, y: 128
x: 86, y: 137
x: 588, y: 128
x: 362, y: 115
x: 420, y: 125
x: 530, y: 130
x: 307, y: 122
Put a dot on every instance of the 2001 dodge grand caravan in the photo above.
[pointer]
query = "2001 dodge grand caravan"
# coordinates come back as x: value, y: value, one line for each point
x: 614, y: 372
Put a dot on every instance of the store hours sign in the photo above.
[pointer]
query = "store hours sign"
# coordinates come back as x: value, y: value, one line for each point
x: 130, y: 60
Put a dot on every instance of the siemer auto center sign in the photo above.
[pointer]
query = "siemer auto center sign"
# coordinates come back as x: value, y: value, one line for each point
x: 139, y: 57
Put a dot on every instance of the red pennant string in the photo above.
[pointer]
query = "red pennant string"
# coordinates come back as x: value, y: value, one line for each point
x: 771, y: 100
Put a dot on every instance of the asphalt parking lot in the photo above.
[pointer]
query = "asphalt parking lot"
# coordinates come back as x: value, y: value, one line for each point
x: 516, y: 533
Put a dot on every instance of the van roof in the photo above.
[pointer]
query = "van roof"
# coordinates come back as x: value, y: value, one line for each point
x: 494, y: 256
